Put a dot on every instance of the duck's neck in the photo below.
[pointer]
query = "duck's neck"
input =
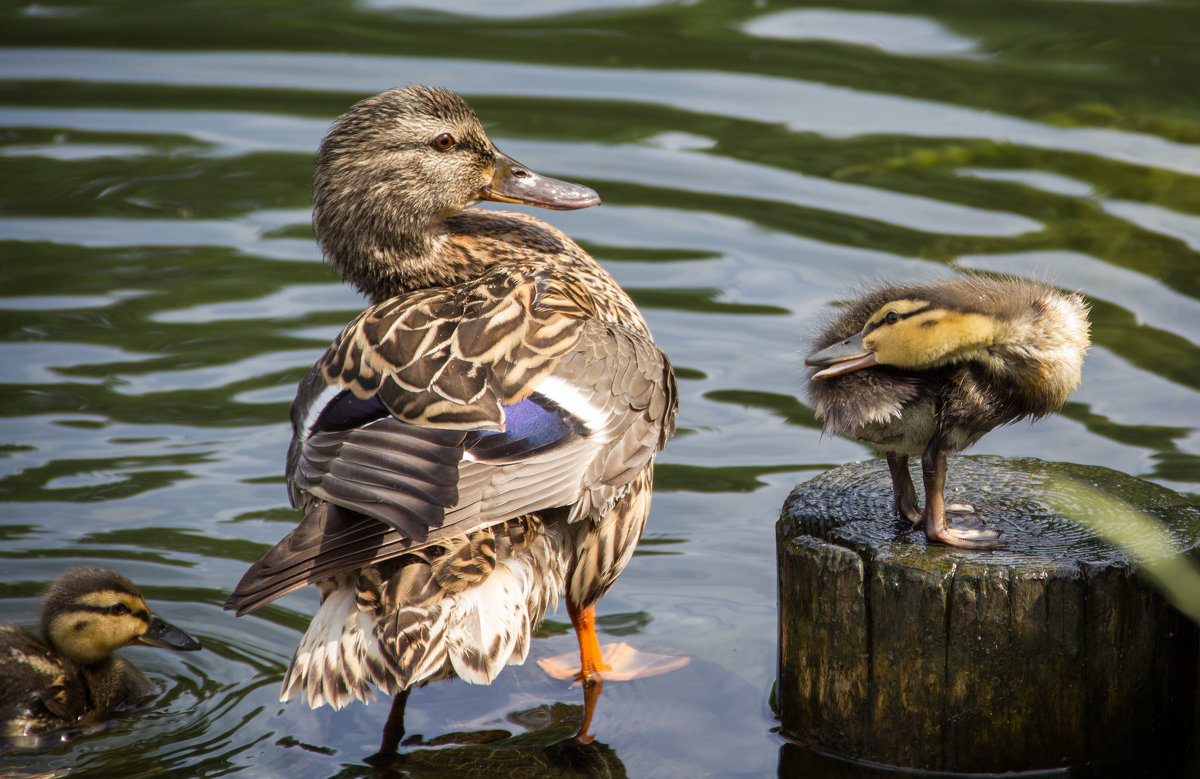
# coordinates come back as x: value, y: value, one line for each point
x: 388, y: 263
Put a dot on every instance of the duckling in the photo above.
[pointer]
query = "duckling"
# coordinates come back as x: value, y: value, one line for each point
x: 477, y: 443
x: 69, y: 677
x: 928, y: 369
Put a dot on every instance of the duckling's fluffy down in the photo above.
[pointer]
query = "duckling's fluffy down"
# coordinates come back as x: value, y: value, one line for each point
x: 1029, y: 370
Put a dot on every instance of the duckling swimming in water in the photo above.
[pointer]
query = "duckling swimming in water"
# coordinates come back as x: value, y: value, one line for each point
x: 476, y: 444
x: 929, y: 369
x: 69, y: 677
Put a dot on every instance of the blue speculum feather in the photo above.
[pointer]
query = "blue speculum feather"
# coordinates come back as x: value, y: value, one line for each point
x: 534, y: 425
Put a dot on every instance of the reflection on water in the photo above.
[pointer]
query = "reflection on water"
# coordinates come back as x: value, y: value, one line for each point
x: 161, y: 294
x: 894, y: 33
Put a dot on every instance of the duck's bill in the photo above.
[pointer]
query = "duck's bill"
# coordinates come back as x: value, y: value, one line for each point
x: 841, y: 358
x: 515, y: 183
x: 167, y: 636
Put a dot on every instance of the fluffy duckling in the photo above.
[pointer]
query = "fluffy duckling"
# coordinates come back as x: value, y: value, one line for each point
x: 478, y: 442
x: 928, y: 369
x: 69, y: 677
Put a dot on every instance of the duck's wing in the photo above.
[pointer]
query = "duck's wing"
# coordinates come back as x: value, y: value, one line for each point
x: 445, y: 411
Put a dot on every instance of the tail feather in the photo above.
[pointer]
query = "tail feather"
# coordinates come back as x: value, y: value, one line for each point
x: 393, y: 631
x: 346, y: 652
x: 490, y: 619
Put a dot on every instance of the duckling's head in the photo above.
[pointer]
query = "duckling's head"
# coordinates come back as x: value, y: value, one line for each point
x: 397, y: 164
x: 911, y: 333
x: 91, y: 612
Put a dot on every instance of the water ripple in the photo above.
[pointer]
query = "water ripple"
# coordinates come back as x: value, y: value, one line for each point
x: 827, y: 110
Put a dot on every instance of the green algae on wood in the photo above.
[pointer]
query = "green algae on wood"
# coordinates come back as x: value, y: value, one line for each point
x: 1050, y: 652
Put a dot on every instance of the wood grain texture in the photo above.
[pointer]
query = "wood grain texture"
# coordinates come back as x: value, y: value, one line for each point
x: 1051, y: 652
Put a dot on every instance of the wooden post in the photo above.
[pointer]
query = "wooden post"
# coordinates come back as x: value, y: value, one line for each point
x: 1048, y: 653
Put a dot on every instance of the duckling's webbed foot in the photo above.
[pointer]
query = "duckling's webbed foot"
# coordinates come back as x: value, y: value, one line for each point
x: 963, y: 537
x: 904, y: 503
x: 937, y: 529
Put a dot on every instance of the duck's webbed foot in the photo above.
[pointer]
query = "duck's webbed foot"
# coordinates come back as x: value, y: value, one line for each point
x: 615, y: 662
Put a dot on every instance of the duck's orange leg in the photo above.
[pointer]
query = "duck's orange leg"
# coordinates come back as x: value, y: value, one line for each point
x: 591, y: 663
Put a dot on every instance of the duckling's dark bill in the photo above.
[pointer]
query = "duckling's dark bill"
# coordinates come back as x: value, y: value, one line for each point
x: 845, y: 357
x: 515, y: 183
x: 167, y: 636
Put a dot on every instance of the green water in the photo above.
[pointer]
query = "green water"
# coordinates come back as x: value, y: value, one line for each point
x: 161, y: 294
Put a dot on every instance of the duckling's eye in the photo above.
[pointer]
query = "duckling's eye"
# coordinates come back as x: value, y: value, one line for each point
x: 119, y: 609
x: 444, y: 142
x: 891, y: 318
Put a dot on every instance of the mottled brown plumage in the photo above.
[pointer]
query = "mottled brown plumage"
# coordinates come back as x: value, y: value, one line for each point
x: 925, y: 370
x: 481, y: 439
x: 68, y: 677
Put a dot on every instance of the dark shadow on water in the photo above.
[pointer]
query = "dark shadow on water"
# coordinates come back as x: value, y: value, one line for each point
x: 687, y: 722
x: 798, y: 761
x: 549, y: 750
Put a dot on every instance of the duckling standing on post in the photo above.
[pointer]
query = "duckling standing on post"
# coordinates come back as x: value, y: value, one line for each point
x: 478, y: 442
x: 928, y: 369
x: 69, y: 677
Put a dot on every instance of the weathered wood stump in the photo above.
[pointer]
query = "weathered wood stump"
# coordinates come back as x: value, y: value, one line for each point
x: 1048, y: 653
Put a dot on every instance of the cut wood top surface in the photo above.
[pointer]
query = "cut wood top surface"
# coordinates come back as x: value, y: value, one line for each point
x: 1050, y: 513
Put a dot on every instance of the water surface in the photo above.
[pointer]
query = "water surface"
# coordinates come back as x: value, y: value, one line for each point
x: 161, y: 294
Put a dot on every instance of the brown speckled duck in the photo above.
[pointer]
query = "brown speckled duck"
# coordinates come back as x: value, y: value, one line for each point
x: 926, y: 370
x: 477, y: 443
x: 69, y: 677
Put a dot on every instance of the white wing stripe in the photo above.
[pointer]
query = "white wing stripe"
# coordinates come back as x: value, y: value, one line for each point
x: 313, y: 412
x: 574, y: 402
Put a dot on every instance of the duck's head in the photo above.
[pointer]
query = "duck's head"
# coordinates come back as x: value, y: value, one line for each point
x: 91, y: 612
x: 910, y: 333
x: 395, y: 165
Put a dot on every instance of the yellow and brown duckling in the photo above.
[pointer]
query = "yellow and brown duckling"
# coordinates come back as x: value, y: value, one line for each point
x: 69, y: 677
x: 476, y: 444
x: 926, y: 370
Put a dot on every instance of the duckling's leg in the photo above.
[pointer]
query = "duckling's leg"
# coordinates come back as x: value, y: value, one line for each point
x: 591, y: 663
x: 905, y: 503
x: 937, y: 529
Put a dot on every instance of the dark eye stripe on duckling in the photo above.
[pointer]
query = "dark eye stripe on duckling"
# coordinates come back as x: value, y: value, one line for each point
x: 140, y: 614
x: 110, y: 604
x: 898, y: 311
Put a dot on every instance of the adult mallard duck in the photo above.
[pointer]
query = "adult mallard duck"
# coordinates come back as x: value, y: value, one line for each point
x: 928, y: 369
x: 69, y: 677
x: 481, y: 439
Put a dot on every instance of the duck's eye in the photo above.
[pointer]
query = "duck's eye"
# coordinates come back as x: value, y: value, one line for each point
x: 891, y: 318
x: 118, y: 609
x: 444, y: 142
